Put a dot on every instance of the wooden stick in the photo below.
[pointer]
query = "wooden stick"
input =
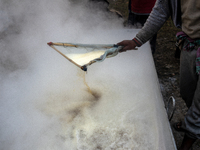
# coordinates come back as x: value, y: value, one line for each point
x: 72, y: 45
x: 61, y: 44
x: 66, y: 57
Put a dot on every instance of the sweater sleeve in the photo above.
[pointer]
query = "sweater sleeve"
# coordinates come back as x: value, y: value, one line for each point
x: 155, y: 21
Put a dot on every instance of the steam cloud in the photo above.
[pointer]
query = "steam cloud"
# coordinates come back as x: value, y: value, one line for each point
x: 44, y: 101
x: 33, y: 78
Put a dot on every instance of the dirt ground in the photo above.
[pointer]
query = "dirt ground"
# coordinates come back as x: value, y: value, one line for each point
x: 167, y: 67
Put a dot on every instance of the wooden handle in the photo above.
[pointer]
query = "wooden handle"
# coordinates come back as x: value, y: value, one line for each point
x: 61, y: 44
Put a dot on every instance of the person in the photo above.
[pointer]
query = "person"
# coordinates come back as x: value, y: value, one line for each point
x: 186, y: 15
x: 139, y: 11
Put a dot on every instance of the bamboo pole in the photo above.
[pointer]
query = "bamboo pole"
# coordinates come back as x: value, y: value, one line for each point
x: 61, y: 44
x: 81, y: 45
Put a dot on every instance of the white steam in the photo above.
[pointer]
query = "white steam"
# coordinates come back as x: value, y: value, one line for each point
x: 44, y: 103
x: 31, y: 72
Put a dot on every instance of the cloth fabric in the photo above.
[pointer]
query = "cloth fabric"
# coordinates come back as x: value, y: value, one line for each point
x: 141, y: 6
x: 190, y: 45
x: 184, y: 15
x: 162, y: 10
x: 109, y: 53
x: 191, y: 18
x: 139, y: 11
x: 138, y: 21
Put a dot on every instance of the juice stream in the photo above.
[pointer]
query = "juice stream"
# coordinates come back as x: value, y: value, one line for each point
x: 88, y: 88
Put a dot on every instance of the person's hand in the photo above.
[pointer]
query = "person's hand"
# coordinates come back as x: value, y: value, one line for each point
x: 127, y: 45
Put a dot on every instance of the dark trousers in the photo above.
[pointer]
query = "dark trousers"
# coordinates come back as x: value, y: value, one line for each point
x: 190, y: 92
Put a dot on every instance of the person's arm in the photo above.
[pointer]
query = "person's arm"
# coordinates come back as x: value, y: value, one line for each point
x: 155, y: 21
